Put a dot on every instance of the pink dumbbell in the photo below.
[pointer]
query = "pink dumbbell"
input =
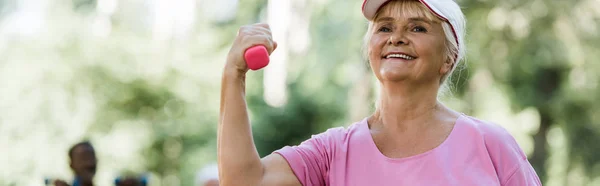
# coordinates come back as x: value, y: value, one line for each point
x: 256, y: 57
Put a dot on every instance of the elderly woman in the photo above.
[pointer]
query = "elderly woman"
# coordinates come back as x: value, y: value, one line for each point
x: 410, y: 139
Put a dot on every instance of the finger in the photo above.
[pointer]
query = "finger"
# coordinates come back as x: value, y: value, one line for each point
x: 250, y: 33
x: 264, y: 30
x: 264, y: 25
x: 268, y: 44
x: 259, y: 40
x: 274, y: 46
x: 242, y: 29
x: 255, y: 31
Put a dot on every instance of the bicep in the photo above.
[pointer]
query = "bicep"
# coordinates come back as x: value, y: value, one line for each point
x: 277, y: 171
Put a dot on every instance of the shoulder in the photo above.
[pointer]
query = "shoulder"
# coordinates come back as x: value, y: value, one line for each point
x: 497, y: 139
x: 506, y: 155
x: 341, y: 133
x: 310, y: 160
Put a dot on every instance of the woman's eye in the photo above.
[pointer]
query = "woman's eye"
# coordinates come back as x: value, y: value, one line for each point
x: 384, y: 29
x: 419, y: 29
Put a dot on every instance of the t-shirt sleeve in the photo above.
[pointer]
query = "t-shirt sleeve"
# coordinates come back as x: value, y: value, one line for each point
x: 509, y: 160
x: 310, y: 160
x: 523, y: 175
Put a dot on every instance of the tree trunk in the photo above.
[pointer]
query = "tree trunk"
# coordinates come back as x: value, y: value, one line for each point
x: 540, y: 150
x: 274, y: 78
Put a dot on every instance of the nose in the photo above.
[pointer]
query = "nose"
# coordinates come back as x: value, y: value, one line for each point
x: 397, y: 39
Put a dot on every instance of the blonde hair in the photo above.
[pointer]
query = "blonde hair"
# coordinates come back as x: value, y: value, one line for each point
x: 407, y: 8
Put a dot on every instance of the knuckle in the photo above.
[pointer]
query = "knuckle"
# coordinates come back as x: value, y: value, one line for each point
x: 243, y: 30
x: 245, y: 39
x: 265, y: 40
x: 264, y: 25
x: 266, y: 31
x: 269, y: 36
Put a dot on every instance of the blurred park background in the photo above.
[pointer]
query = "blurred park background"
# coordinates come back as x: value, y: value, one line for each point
x: 140, y: 79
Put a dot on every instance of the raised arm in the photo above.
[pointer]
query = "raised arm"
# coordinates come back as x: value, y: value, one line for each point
x: 239, y: 162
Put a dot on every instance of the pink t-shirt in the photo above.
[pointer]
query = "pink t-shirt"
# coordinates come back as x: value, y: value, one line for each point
x: 475, y: 153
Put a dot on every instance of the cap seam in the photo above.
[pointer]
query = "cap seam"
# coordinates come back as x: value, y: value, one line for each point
x: 451, y: 27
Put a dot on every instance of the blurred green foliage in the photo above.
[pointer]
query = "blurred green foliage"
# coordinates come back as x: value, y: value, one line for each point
x: 151, y: 105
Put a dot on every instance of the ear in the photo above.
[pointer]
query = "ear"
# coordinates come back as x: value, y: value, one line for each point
x: 446, y: 67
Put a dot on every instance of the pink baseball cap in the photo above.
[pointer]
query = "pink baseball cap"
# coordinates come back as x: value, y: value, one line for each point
x: 447, y: 10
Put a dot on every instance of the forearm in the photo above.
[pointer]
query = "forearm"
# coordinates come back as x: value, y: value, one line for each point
x: 239, y: 162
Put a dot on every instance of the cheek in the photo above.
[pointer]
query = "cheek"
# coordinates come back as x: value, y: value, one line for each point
x: 433, y: 50
x: 375, y: 46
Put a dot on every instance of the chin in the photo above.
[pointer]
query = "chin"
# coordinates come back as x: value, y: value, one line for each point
x: 393, y: 75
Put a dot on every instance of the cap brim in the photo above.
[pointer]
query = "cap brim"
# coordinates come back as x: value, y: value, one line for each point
x: 370, y: 7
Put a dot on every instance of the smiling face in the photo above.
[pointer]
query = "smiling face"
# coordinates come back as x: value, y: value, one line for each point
x: 407, y: 43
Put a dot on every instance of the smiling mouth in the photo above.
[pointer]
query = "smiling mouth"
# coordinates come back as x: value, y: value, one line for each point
x: 400, y: 56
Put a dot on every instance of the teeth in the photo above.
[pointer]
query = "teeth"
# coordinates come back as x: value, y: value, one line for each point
x: 399, y: 56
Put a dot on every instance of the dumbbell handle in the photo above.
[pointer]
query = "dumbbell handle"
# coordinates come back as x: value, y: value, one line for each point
x: 256, y: 57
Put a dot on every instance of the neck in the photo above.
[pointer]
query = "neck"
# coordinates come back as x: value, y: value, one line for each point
x: 406, y: 107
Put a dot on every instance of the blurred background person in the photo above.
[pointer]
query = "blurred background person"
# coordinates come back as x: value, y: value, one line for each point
x: 83, y: 163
